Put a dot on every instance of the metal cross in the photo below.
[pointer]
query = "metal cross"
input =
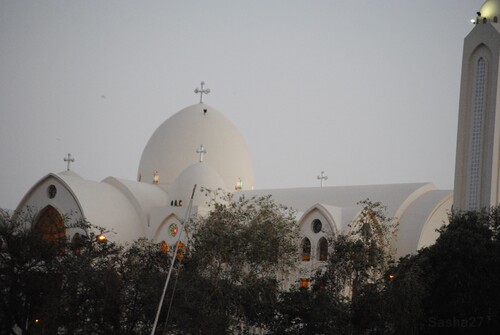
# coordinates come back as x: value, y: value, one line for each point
x: 201, y: 151
x: 322, y: 178
x: 202, y: 91
x: 70, y: 160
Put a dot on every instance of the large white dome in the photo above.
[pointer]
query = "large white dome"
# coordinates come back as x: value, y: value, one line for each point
x: 172, y: 148
x: 490, y: 9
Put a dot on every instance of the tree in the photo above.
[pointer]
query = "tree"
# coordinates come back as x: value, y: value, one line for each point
x: 28, y: 276
x: 236, y: 259
x: 311, y: 311
x: 357, y: 265
x: 455, y: 282
x: 83, y: 286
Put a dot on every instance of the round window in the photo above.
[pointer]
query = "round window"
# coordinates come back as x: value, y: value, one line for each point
x: 173, y: 229
x: 51, y: 191
x: 316, y: 226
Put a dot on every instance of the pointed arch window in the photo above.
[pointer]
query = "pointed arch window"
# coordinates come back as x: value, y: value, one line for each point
x: 50, y: 224
x: 306, y: 249
x: 77, y: 242
x: 322, y: 249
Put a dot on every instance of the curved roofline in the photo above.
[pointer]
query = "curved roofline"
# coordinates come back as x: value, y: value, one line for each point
x: 412, y: 197
x: 42, y: 180
x: 401, y: 209
x: 439, y: 204
x: 323, y: 211
x: 130, y: 196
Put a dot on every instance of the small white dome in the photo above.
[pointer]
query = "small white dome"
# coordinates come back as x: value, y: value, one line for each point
x: 490, y: 9
x: 172, y: 148
x: 201, y: 175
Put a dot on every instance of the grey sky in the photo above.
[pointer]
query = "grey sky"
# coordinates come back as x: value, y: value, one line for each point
x: 365, y: 90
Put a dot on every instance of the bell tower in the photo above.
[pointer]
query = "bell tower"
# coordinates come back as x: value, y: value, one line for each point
x: 477, y: 167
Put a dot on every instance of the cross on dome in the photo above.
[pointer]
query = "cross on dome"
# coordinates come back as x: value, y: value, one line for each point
x: 201, y: 150
x: 202, y: 91
x: 322, y: 177
x: 69, y: 159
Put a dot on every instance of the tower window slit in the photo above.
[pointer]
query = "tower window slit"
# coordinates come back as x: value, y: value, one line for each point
x: 477, y: 134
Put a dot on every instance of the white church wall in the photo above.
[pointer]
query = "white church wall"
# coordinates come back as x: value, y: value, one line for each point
x: 142, y: 196
x: 426, y: 213
x: 161, y: 219
x: 436, y: 220
x: 316, y: 225
x: 62, y: 199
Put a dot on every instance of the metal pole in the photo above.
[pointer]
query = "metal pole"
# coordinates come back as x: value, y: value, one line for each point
x: 188, y: 214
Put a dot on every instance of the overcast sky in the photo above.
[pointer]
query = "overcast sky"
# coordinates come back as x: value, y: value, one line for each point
x: 365, y: 90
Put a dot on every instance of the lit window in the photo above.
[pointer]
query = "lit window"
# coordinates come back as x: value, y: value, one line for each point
x: 304, y: 283
x: 239, y: 185
x: 164, y: 247
x: 323, y: 249
x: 173, y: 229
x: 180, y: 252
x: 306, y: 250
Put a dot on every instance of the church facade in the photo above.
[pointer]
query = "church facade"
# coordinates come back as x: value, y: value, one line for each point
x: 199, y: 145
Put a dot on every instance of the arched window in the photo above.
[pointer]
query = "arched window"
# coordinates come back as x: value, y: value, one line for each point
x: 180, y: 251
x: 50, y: 224
x: 306, y: 249
x: 77, y: 243
x: 322, y: 249
x: 163, y: 247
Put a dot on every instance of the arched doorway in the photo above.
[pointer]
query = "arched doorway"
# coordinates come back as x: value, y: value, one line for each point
x: 50, y: 224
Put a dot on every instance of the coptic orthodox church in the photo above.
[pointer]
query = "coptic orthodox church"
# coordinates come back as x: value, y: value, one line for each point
x: 199, y: 145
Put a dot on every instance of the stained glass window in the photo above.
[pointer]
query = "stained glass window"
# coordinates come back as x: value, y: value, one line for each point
x: 323, y: 249
x: 173, y: 229
x: 306, y: 250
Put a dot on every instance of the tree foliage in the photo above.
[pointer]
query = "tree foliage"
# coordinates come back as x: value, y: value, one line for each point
x: 347, y: 293
x: 231, y: 279
x: 237, y: 256
x: 452, y: 286
x: 311, y: 311
x: 83, y: 287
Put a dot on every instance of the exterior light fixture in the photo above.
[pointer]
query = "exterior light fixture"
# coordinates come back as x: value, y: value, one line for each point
x: 101, y: 238
x: 391, y: 276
